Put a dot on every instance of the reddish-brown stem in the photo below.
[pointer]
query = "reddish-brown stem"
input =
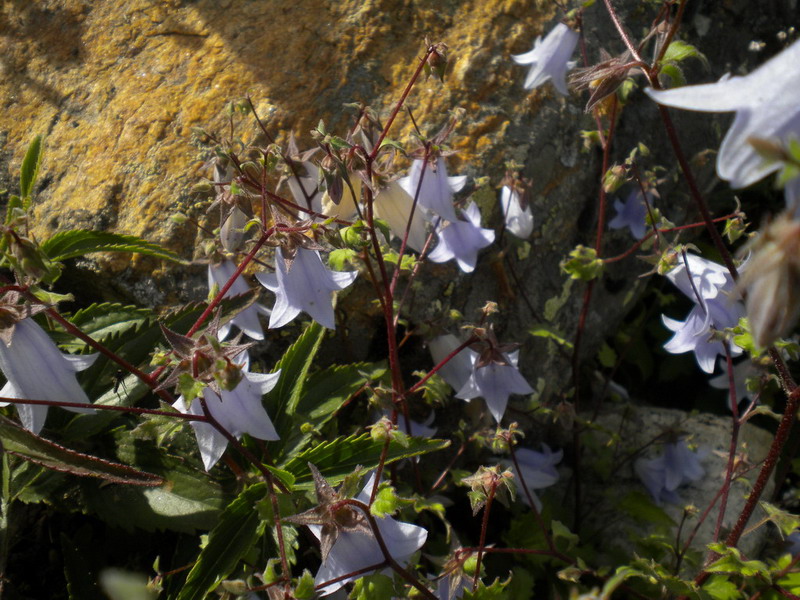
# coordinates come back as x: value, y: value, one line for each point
x: 444, y: 361
x: 482, y: 542
x: 400, y: 102
x: 726, y: 486
x: 126, y: 409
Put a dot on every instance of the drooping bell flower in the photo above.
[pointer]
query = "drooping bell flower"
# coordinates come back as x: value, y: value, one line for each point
x: 303, y: 284
x: 239, y: 411
x: 676, y: 466
x: 347, y: 543
x: 766, y: 107
x: 36, y: 369
x: 393, y: 205
x: 538, y: 470
x: 494, y: 376
x: 435, y: 187
x: 461, y: 240
x: 549, y: 58
x: 518, y: 220
x: 246, y: 320
x: 457, y: 371
x: 632, y: 213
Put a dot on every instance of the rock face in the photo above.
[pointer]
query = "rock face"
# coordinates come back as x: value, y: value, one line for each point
x: 117, y: 88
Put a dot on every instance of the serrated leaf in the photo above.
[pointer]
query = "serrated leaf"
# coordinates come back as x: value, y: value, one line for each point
x: 21, y: 442
x: 679, y: 51
x: 719, y: 588
x: 294, y: 366
x: 228, y: 542
x: 325, y: 392
x: 100, y: 321
x: 79, y: 242
x: 29, y: 170
x: 785, y: 521
x: 337, y: 458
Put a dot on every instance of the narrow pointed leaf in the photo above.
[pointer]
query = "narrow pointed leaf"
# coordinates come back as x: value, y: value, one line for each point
x: 30, y: 169
x: 79, y: 242
x: 340, y: 457
x: 21, y: 442
x: 228, y: 542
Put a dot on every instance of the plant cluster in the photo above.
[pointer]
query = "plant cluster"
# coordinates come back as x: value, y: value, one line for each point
x: 362, y: 480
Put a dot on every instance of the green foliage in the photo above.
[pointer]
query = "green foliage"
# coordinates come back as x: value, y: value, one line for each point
x: 29, y: 171
x: 373, y: 587
x: 238, y: 529
x: 18, y: 441
x: 79, y: 242
x: 583, y: 264
x: 337, y: 458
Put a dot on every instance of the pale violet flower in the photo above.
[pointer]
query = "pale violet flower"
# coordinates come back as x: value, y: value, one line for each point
x: 518, y: 220
x: 306, y: 181
x: 239, y: 411
x: 393, y: 205
x: 766, y: 106
x: 457, y: 371
x: 495, y: 383
x: 711, y: 288
x: 549, y: 58
x: 436, y: 189
x: 632, y: 213
x: 36, y: 369
x: 676, y: 466
x: 356, y: 549
x: 307, y: 287
x: 694, y: 334
x: 246, y: 320
x: 707, y: 278
x: 538, y: 470
x: 461, y: 240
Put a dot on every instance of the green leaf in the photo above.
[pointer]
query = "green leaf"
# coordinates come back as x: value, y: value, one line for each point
x: 678, y: 51
x: 100, y: 321
x: 304, y: 590
x: 338, y: 259
x: 719, y: 588
x: 373, y: 587
x: 544, y: 332
x: 294, y: 365
x: 341, y: 456
x: 29, y: 170
x: 583, y: 264
x: 620, y: 575
x: 784, y: 520
x: 234, y: 535
x: 21, y: 442
x: 675, y: 73
x: 325, y: 392
x: 79, y: 242
x: 81, y: 584
x: 731, y: 562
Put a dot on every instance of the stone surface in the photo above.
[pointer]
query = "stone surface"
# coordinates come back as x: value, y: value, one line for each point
x: 117, y: 87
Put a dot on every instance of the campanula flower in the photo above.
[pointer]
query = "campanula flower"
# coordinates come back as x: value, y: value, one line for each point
x: 694, y: 334
x: 246, y: 320
x: 307, y: 287
x: 358, y: 549
x: 305, y: 187
x: 495, y: 383
x: 766, y: 106
x: 632, y: 213
x: 436, y: 188
x: 676, y: 466
x: 538, y: 470
x: 549, y: 58
x: 239, y: 411
x: 518, y: 220
x: 36, y: 369
x: 458, y: 369
x: 707, y: 277
x: 393, y: 205
x: 461, y: 240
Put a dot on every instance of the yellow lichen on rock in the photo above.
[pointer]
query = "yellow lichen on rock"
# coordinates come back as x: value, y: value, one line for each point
x: 118, y: 86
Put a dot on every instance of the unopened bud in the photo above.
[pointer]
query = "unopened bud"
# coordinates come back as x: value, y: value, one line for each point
x: 614, y: 178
